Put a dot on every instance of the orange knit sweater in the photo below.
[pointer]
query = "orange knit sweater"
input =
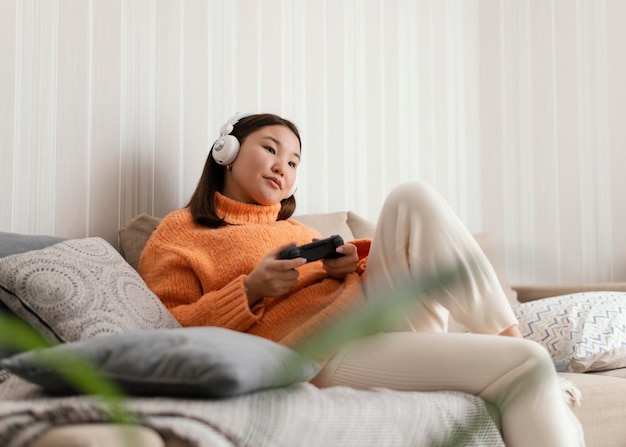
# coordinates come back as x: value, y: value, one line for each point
x: 198, y: 273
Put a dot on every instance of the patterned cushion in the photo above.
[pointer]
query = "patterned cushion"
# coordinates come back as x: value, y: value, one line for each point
x: 13, y: 243
x: 78, y: 289
x: 582, y: 331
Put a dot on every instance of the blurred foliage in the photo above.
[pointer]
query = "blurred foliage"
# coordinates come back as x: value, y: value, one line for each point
x: 379, y: 314
x: 18, y: 336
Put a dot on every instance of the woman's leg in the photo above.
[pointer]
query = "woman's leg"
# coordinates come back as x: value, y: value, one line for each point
x: 516, y: 376
x: 419, y: 234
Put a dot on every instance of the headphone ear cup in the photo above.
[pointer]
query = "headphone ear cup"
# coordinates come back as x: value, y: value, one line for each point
x: 225, y: 149
x: 293, y: 189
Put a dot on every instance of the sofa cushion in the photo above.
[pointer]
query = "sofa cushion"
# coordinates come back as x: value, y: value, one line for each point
x: 602, y: 408
x: 582, y: 331
x: 77, y: 289
x: 328, y: 224
x: 134, y: 235
x: 196, y: 361
x: 13, y: 243
x: 361, y: 228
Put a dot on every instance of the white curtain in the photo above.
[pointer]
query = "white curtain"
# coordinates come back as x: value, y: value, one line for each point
x: 512, y: 109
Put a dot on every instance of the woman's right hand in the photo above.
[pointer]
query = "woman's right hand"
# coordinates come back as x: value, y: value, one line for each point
x: 272, y: 276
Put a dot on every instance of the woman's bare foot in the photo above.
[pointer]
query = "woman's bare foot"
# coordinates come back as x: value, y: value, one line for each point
x: 512, y: 331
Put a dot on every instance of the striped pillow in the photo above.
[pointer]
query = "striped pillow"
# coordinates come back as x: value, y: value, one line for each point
x: 582, y: 331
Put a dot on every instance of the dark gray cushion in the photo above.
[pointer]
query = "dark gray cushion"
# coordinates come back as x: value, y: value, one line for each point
x: 197, y: 361
x: 12, y: 243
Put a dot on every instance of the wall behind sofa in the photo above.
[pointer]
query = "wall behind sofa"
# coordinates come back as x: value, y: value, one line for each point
x: 513, y: 110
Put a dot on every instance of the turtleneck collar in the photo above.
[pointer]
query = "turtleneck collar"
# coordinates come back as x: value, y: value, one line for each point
x: 239, y: 213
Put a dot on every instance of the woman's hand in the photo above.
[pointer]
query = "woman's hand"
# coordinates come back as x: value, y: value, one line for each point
x: 340, y: 267
x: 272, y: 276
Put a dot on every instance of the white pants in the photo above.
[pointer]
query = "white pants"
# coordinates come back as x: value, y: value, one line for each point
x: 416, y: 234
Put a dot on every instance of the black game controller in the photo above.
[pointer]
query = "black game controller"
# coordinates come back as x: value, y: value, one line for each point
x: 324, y: 248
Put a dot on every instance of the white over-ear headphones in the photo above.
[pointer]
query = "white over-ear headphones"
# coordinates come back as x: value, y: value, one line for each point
x: 226, y: 148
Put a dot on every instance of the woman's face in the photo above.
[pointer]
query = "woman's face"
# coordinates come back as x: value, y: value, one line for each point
x: 265, y: 168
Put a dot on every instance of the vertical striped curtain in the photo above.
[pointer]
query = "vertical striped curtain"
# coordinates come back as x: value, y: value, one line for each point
x: 512, y: 109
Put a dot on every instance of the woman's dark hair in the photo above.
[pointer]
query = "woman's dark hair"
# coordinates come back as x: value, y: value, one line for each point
x: 202, y: 202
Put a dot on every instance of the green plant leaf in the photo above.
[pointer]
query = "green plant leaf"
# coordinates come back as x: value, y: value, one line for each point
x: 380, y: 313
x: 19, y: 336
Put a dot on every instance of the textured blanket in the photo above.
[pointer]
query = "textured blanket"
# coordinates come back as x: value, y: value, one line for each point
x: 299, y: 415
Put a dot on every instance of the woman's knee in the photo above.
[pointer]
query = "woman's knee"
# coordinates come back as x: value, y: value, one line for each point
x: 416, y: 196
x: 536, y: 358
x: 529, y: 371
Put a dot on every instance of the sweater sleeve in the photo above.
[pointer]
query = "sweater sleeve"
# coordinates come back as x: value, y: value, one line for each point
x: 173, y: 279
x: 362, y: 249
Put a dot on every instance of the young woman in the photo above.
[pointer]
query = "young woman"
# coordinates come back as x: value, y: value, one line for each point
x: 215, y: 262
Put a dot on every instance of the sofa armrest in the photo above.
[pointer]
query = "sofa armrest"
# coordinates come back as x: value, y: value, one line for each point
x: 534, y: 292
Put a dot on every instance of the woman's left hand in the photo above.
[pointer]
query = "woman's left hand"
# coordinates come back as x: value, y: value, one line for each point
x: 340, y: 267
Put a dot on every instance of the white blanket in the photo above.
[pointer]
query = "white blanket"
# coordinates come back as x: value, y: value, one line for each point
x: 299, y: 415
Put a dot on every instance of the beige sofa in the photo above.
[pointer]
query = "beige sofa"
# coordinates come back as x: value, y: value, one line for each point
x: 602, y: 404
x: 601, y: 408
x: 82, y: 293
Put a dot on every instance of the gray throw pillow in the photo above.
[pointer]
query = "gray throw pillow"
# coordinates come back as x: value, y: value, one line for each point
x: 78, y: 289
x: 194, y: 361
x: 12, y: 243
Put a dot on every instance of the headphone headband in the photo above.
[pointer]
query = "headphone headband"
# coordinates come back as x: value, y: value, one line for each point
x: 229, y: 125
